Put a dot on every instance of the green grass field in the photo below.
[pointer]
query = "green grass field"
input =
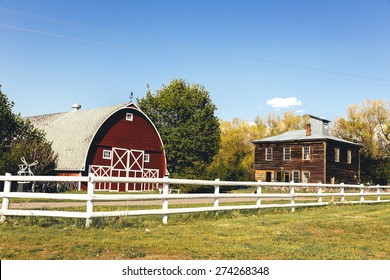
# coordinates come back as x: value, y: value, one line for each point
x: 334, y: 232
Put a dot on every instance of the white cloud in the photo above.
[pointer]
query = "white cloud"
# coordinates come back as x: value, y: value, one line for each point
x: 278, y: 102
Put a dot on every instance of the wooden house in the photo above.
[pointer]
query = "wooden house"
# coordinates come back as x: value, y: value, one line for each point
x: 308, y: 155
x: 119, y: 141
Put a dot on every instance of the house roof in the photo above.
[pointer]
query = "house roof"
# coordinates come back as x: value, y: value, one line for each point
x: 300, y: 135
x: 71, y: 133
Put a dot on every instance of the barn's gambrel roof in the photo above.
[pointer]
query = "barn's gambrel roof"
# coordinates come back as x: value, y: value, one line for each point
x: 71, y: 133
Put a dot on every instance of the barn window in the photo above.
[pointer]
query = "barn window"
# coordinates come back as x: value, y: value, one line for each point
x: 287, y: 153
x: 106, y: 154
x: 306, y: 152
x: 349, y: 156
x: 129, y: 117
x: 337, y: 154
x: 268, y: 153
x: 146, y: 157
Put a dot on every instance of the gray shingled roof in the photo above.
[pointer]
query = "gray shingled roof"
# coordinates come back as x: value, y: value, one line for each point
x: 72, y: 132
x: 299, y: 135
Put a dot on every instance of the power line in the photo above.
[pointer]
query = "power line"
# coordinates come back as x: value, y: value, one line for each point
x: 249, y: 58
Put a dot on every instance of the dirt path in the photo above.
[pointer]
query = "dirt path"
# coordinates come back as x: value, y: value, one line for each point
x: 47, y: 205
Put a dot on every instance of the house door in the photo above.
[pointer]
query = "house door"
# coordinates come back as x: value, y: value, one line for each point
x: 268, y: 176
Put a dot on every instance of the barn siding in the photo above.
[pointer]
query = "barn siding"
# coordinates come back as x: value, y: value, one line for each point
x: 138, y: 134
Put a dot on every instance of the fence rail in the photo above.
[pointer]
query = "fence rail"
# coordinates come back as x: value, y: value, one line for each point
x: 360, y: 191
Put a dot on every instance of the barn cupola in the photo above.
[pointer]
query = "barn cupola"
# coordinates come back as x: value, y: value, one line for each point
x: 76, y: 107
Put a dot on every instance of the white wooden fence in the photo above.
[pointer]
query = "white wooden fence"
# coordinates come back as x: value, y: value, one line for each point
x: 306, y: 198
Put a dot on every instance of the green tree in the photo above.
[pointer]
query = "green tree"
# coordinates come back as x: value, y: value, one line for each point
x: 369, y: 124
x: 18, y: 138
x: 9, y: 123
x: 184, y: 115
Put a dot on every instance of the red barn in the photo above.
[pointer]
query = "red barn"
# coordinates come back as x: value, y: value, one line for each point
x: 118, y: 141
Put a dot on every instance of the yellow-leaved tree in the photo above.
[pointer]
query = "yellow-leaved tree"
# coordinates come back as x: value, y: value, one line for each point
x: 369, y: 124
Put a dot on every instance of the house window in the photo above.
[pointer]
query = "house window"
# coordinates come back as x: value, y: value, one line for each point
x: 268, y: 153
x: 306, y: 152
x: 146, y: 157
x: 129, y: 117
x: 106, y: 154
x: 349, y: 156
x: 336, y: 154
x: 287, y: 153
x: 305, y: 177
x: 296, y: 176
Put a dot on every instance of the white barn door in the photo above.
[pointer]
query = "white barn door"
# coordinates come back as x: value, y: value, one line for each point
x: 125, y: 163
x: 135, y: 169
x: 119, y: 167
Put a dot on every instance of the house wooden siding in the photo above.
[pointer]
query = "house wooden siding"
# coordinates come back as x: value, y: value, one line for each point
x: 315, y: 165
x: 320, y: 164
x: 342, y: 171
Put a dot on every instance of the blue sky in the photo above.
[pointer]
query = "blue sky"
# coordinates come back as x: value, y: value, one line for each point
x: 254, y: 57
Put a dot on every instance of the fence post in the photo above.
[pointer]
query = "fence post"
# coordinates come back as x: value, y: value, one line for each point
x: 5, y: 203
x: 319, y: 192
x: 258, y: 192
x: 165, y: 201
x: 216, y: 192
x: 90, y: 191
x: 342, y: 198
x: 361, y: 193
x: 378, y: 191
x: 292, y: 194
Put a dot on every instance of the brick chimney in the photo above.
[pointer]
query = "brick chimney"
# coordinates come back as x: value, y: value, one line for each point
x: 308, y: 129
